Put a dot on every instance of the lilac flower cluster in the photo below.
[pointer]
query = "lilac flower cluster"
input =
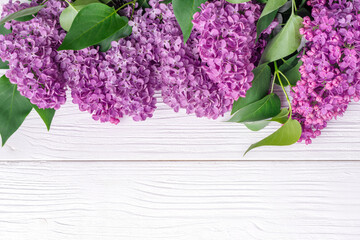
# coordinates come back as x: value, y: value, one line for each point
x: 31, y: 52
x: 331, y: 63
x: 226, y: 44
x: 183, y: 82
x: 118, y: 82
x: 205, y: 75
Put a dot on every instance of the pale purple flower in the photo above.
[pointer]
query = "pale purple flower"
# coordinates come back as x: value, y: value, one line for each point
x: 214, y: 68
x: 330, y: 73
x: 117, y: 83
x: 31, y: 51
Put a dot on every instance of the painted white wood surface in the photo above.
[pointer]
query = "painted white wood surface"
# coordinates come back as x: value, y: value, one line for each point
x: 170, y: 136
x: 180, y: 200
x: 278, y: 200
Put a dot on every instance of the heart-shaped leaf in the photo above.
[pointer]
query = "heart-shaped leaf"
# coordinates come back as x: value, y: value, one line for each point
x: 264, y: 22
x: 271, y: 6
x: 14, y: 108
x: 256, y: 126
x: 285, y: 42
x: 288, y: 134
x: 293, y: 75
x: 268, y: 15
x: 123, y: 32
x: 3, y: 30
x: 289, y: 63
x: 265, y: 108
x: 4, y: 65
x: 46, y: 115
x: 184, y: 11
x: 143, y: 4
x: 68, y: 15
x: 282, y: 117
x: 94, y: 23
x: 259, y: 89
x: 22, y: 13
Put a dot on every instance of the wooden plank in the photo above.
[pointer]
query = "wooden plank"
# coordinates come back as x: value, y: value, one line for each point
x: 180, y: 200
x: 171, y: 136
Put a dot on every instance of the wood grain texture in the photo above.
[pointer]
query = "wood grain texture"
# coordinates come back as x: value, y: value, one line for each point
x: 170, y: 136
x: 180, y: 200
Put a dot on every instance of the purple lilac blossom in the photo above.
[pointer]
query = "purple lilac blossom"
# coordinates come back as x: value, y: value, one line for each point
x: 226, y: 43
x: 186, y: 70
x: 330, y: 70
x: 117, y: 83
x: 31, y: 52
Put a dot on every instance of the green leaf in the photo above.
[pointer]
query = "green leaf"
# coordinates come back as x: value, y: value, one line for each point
x: 288, y: 134
x: 285, y: 42
x: 143, y: 4
x: 293, y: 75
x: 4, y: 65
x: 256, y: 126
x: 290, y: 68
x: 122, y: 33
x: 166, y: 1
x: 68, y: 15
x: 94, y: 23
x: 184, y: 11
x: 22, y: 13
x: 196, y: 5
x: 289, y: 63
x: 268, y: 15
x: 302, y: 3
x: 14, y: 108
x: 46, y: 115
x: 3, y: 30
x: 264, y: 22
x: 282, y: 117
x: 25, y: 18
x: 237, y: 1
x: 265, y: 108
x: 271, y: 6
x: 259, y: 89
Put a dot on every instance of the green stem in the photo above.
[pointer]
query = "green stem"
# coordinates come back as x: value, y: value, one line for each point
x: 133, y: 10
x: 273, y: 83
x: 285, y: 78
x: 67, y: 2
x: 282, y: 86
x: 302, y: 4
x: 293, y: 7
x: 126, y: 4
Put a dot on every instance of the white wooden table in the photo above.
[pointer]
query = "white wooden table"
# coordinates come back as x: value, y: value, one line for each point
x: 46, y: 195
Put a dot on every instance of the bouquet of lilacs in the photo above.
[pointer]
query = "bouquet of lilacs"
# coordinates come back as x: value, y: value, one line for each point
x: 207, y: 57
